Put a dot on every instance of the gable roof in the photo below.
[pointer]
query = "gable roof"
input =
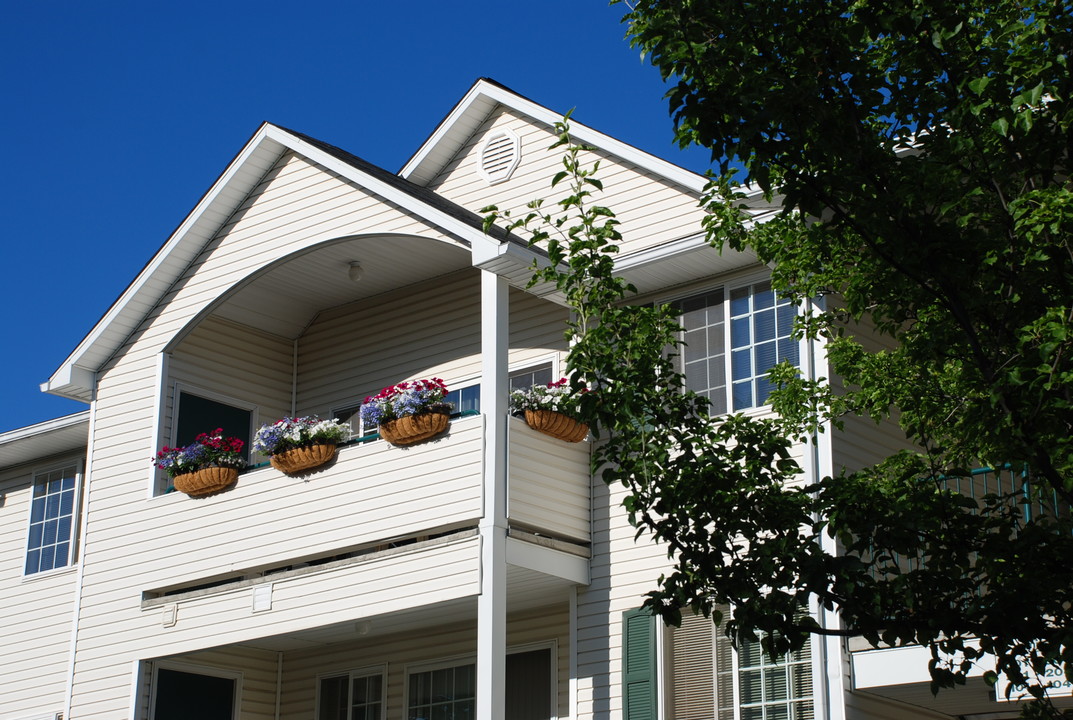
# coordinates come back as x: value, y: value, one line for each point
x: 498, y: 252
x: 482, y: 99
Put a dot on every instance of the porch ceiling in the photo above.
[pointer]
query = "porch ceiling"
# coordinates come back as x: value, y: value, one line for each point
x: 284, y: 299
x: 526, y: 590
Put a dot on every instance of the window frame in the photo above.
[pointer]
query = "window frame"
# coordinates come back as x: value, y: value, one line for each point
x: 73, y: 548
x: 194, y: 669
x: 727, y: 286
x: 717, y: 645
x: 351, y: 675
x: 551, y: 644
x: 160, y: 480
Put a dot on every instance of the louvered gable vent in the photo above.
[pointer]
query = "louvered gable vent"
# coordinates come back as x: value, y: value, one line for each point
x: 500, y: 154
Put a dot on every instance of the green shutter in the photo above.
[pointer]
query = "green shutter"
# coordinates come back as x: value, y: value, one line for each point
x: 639, y: 666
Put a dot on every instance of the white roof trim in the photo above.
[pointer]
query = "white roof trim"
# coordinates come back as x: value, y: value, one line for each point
x: 44, y: 428
x: 75, y: 378
x: 475, y: 106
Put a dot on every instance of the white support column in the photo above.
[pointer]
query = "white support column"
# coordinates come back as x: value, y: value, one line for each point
x: 492, y: 603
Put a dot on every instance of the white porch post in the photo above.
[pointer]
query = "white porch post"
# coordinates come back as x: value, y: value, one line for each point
x: 492, y: 603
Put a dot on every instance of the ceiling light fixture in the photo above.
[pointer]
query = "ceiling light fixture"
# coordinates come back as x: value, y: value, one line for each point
x: 356, y: 271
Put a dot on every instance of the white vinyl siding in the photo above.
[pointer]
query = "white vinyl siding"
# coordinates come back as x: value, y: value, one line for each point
x: 353, y: 351
x: 133, y: 545
x: 548, y: 483
x: 652, y: 211
x: 862, y: 441
x: 36, y: 611
x: 429, y: 642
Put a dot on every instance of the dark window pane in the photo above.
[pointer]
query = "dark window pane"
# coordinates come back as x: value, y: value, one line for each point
x: 743, y: 395
x: 48, y: 557
x: 696, y: 346
x: 788, y: 350
x: 200, y: 415
x: 764, y: 326
x: 741, y: 364
x: 67, y: 502
x: 62, y: 550
x: 739, y: 301
x: 765, y: 357
x: 48, y: 535
x: 739, y: 333
x: 716, y: 339
x: 697, y: 377
x: 763, y: 296
x: 182, y: 695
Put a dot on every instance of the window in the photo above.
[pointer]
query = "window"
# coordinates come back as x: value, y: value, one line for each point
x: 197, y: 414
x: 755, y: 325
x: 358, y: 695
x: 446, y: 693
x: 465, y: 399
x: 52, y: 520
x: 181, y: 692
x: 707, y: 679
x: 528, y: 377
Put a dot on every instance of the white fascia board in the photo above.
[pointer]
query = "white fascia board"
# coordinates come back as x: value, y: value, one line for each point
x: 899, y: 666
x: 475, y: 102
x: 96, y: 347
x: 514, y: 252
x: 647, y: 256
x: 44, y: 428
x: 548, y: 561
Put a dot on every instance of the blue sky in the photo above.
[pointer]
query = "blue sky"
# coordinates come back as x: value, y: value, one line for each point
x: 117, y: 116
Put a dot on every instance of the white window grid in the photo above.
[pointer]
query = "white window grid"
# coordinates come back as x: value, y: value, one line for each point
x: 755, y: 325
x: 53, y: 513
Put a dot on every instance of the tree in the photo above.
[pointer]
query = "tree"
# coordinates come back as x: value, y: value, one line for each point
x: 920, y: 155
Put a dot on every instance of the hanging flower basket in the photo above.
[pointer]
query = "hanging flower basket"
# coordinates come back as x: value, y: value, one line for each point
x: 557, y: 425
x: 299, y: 459
x: 205, y: 481
x: 414, y: 428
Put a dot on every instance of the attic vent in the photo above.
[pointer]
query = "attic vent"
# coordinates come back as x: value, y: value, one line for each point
x: 499, y: 156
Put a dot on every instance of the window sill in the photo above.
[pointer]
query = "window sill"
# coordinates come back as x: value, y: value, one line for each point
x: 54, y: 572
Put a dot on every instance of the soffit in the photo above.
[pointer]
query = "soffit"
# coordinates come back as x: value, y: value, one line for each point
x: 526, y: 590
x: 285, y: 298
x: 48, y: 439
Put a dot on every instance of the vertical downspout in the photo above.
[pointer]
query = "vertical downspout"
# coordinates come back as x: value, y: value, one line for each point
x: 83, y: 511
x: 294, y: 378
x: 279, y: 682
x: 492, y: 601
x: 572, y: 708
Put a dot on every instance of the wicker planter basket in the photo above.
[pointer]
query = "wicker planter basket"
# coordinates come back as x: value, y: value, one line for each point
x: 414, y: 428
x: 298, y: 459
x: 557, y: 425
x: 205, y: 481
